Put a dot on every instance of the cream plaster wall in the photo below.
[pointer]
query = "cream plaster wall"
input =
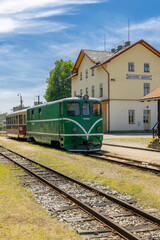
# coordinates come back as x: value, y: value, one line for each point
x: 99, y: 77
x: 119, y: 115
x: 123, y: 88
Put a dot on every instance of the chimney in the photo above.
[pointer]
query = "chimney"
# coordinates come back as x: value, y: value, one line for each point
x: 119, y: 47
x: 113, y: 50
x: 127, y: 43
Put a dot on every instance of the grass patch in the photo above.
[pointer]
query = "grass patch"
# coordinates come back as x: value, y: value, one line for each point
x: 22, y: 218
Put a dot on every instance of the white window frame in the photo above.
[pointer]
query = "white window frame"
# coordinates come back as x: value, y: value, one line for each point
x: 131, y: 116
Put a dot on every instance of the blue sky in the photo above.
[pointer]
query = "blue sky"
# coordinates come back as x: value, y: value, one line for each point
x: 36, y: 33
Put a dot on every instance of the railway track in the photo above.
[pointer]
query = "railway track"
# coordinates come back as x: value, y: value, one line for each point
x: 91, y: 212
x: 130, y: 147
x: 145, y: 166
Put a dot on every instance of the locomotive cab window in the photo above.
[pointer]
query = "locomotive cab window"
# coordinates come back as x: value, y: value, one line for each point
x: 85, y: 109
x: 73, y: 109
x: 96, y: 109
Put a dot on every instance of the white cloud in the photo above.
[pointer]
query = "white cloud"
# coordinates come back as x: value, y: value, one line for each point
x: 7, y: 25
x: 19, y: 16
x: 16, y: 6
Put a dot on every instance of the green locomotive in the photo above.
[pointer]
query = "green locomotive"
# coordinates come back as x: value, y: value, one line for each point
x: 72, y: 123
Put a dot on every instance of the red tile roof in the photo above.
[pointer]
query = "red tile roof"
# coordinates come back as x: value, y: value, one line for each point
x: 155, y: 94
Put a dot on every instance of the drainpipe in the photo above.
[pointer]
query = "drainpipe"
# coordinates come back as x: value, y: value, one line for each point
x: 108, y: 97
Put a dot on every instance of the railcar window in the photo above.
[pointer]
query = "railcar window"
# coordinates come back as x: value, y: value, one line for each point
x: 20, y: 119
x: 73, y: 109
x: 85, y: 109
x: 96, y: 109
x: 16, y: 119
x: 24, y: 119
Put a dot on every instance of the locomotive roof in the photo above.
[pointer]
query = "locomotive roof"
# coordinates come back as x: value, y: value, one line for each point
x: 65, y: 99
x: 53, y: 102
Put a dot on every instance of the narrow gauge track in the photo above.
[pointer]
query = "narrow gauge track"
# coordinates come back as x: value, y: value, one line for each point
x: 129, y: 222
x: 136, y: 148
x: 145, y: 166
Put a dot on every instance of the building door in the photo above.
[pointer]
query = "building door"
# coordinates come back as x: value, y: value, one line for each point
x: 146, y: 119
x: 104, y: 114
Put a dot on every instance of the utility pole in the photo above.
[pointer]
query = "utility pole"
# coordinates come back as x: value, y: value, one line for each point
x: 21, y: 101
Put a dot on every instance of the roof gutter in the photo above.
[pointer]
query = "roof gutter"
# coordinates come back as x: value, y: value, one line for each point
x: 108, y: 96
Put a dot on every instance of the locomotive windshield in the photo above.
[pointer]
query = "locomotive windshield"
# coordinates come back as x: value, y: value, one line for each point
x: 73, y: 109
x: 85, y: 109
x: 96, y: 109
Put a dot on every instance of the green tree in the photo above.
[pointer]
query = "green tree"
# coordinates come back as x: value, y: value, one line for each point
x: 57, y: 87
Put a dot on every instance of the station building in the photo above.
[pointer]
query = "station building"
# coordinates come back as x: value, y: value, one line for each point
x: 120, y: 78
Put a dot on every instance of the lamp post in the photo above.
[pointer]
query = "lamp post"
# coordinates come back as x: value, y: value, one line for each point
x: 21, y: 101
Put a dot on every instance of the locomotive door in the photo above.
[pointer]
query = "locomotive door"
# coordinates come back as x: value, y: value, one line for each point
x: 146, y: 119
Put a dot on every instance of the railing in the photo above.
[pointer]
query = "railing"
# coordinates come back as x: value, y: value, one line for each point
x: 156, y: 130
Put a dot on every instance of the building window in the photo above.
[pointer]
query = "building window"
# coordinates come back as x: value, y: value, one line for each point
x: 101, y: 90
x: 81, y: 92
x: 87, y: 90
x: 86, y: 73
x: 146, y: 88
x: 93, y: 91
x: 146, y: 67
x: 75, y: 94
x: 93, y: 71
x: 80, y: 75
x: 131, y: 116
x: 131, y: 67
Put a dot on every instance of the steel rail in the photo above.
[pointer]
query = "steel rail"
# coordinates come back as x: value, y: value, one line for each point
x: 99, y: 156
x: 137, y: 148
x: 128, y: 159
x: 110, y: 197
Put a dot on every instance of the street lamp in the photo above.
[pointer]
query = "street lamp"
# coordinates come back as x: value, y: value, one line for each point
x: 21, y: 101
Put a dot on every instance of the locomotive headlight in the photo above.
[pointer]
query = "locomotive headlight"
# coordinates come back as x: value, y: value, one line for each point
x: 74, y: 129
x: 98, y: 129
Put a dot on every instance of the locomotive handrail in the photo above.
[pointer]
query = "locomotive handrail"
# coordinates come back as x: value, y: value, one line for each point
x: 155, y: 130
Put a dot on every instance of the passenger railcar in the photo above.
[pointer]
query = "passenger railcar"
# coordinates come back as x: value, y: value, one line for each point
x: 16, y: 124
x: 72, y: 123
